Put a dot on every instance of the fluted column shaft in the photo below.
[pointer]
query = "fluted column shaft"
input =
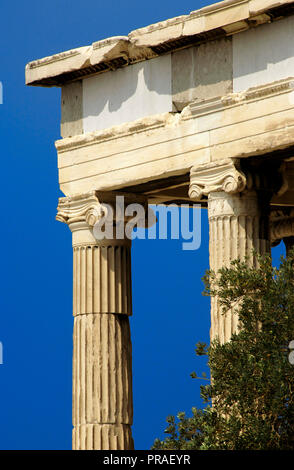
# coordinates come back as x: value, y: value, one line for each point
x: 102, y: 356
x: 238, y: 224
x: 102, y: 304
x: 238, y: 213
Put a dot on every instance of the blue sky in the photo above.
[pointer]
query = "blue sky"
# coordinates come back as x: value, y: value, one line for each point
x: 170, y: 314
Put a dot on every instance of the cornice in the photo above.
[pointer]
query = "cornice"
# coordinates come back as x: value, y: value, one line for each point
x: 211, y: 22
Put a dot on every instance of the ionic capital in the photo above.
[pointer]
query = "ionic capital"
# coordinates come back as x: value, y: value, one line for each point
x: 281, y: 225
x: 92, y: 206
x: 119, y: 212
x: 224, y: 175
x: 82, y: 208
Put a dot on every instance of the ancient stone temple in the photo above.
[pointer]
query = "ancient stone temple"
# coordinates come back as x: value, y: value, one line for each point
x: 195, y: 108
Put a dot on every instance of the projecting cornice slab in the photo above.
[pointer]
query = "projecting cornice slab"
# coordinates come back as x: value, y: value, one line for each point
x: 211, y: 22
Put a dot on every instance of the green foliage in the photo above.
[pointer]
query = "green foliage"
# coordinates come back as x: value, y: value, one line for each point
x: 252, y: 390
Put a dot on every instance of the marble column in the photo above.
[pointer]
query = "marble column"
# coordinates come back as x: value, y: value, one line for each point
x: 102, y: 349
x: 238, y: 224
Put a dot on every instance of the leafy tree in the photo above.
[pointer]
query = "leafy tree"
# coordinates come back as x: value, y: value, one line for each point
x: 252, y: 390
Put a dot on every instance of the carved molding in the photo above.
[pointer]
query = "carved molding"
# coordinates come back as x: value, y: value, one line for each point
x: 224, y: 175
x: 259, y: 92
x: 219, y: 103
